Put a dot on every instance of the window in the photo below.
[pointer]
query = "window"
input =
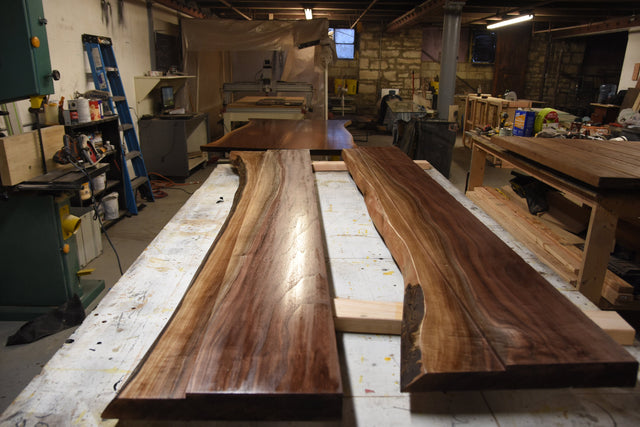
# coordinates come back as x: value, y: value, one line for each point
x: 483, y: 47
x: 344, y: 39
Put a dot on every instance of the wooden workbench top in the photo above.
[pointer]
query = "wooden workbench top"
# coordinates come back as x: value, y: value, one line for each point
x: 601, y: 164
x: 319, y: 136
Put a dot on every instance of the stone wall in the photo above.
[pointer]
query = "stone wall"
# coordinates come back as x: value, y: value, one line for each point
x: 554, y: 72
x: 387, y: 60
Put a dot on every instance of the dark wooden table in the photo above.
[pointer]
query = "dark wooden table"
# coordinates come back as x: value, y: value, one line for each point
x: 604, y: 175
x: 324, y: 137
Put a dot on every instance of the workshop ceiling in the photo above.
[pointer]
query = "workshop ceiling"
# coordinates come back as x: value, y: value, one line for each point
x: 398, y: 14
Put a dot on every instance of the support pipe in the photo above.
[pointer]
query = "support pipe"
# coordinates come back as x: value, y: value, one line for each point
x: 450, y: 43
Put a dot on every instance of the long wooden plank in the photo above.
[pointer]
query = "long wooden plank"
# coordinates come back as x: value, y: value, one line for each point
x: 339, y: 166
x: 319, y: 136
x: 383, y: 317
x: 588, y: 162
x: 457, y: 272
x: 254, y: 336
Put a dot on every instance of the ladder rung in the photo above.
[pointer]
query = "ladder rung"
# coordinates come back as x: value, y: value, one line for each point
x: 118, y: 98
x: 138, y: 181
x: 132, y: 155
x: 126, y: 126
x: 111, y: 68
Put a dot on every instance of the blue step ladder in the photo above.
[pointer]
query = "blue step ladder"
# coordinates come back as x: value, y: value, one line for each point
x: 106, y: 77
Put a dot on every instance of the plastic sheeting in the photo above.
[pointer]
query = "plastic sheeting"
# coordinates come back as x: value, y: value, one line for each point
x: 303, y: 64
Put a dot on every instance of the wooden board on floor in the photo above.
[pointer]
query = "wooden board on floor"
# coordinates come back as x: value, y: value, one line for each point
x: 319, y: 136
x: 339, y: 166
x: 383, y: 317
x: 254, y: 336
x: 602, y: 164
x: 475, y: 315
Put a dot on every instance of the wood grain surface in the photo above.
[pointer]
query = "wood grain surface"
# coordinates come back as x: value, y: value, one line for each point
x: 254, y: 336
x: 602, y: 164
x: 319, y: 136
x: 475, y: 314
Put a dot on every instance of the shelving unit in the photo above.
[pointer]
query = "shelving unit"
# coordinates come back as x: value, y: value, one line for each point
x: 147, y: 90
x: 114, y: 175
x: 483, y: 110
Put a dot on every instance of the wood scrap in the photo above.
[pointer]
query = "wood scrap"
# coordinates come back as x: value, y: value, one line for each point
x: 475, y: 314
x: 253, y: 337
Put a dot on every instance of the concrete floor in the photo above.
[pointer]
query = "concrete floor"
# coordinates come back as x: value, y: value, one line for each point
x: 19, y: 364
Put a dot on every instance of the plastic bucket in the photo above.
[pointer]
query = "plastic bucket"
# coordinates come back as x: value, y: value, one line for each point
x: 110, y: 204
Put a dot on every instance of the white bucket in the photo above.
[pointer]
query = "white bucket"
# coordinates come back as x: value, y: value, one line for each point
x: 99, y: 182
x: 110, y: 203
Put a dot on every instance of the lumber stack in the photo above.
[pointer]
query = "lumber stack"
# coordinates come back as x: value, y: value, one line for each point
x: 550, y: 244
x: 254, y: 336
x: 475, y: 314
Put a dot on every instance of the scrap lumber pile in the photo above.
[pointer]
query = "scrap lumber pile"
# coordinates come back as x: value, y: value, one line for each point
x: 554, y: 246
x: 475, y: 314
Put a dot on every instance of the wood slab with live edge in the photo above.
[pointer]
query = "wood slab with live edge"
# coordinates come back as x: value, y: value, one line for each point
x: 319, y: 136
x: 476, y: 315
x: 254, y: 336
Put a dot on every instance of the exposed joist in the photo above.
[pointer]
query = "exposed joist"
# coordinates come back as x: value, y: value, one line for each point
x: 363, y: 13
x: 413, y: 16
x: 608, y: 26
x: 235, y: 9
x: 182, y: 7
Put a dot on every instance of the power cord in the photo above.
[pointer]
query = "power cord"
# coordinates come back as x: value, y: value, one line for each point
x: 159, y: 185
x: 94, y: 206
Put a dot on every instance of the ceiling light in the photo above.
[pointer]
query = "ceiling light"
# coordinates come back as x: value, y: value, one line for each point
x: 510, y: 22
x: 308, y: 13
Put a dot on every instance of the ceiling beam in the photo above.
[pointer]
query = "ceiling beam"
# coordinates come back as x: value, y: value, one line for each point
x: 415, y: 15
x: 363, y: 13
x: 608, y: 26
x: 235, y: 9
x: 181, y: 7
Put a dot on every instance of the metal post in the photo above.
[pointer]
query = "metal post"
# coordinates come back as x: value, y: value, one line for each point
x: 450, y: 42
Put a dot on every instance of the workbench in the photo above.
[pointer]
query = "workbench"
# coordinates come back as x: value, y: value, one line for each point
x: 84, y: 375
x: 588, y: 179
x: 261, y: 107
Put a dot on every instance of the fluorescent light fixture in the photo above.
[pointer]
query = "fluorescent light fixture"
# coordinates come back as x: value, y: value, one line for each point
x: 510, y: 22
x: 308, y: 13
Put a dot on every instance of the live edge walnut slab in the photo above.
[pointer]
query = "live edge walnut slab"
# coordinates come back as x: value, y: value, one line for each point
x: 254, y: 336
x: 475, y: 315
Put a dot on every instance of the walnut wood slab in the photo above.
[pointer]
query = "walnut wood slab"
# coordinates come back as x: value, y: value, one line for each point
x: 602, y: 164
x: 254, y: 336
x: 475, y: 314
x: 319, y: 136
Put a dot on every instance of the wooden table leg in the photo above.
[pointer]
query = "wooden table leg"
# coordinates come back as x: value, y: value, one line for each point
x: 597, y: 249
x: 476, y: 171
